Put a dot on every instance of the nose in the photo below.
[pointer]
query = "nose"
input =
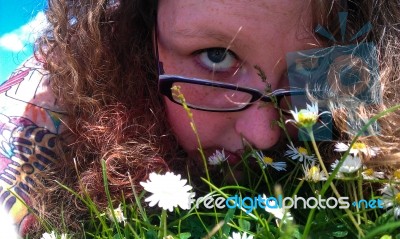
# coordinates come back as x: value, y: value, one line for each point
x: 258, y: 126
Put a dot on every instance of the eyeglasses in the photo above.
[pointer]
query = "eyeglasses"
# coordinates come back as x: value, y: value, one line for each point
x: 214, y: 96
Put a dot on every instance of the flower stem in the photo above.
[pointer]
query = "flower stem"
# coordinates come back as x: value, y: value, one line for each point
x: 354, y: 190
x: 177, y: 92
x: 361, y: 196
x: 336, y: 192
x: 314, y: 144
x: 163, y: 224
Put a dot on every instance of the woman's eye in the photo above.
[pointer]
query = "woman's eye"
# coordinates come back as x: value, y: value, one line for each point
x: 217, y: 59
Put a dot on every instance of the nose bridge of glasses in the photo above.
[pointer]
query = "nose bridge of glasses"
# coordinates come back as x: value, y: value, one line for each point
x: 285, y: 99
x: 265, y: 98
x: 277, y: 95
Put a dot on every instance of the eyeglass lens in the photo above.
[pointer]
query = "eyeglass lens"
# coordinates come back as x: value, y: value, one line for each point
x: 209, y: 97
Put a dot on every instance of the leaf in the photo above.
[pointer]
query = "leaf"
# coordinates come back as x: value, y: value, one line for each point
x: 229, y: 215
x: 116, y: 236
x: 296, y: 234
x: 386, y: 237
x: 340, y: 233
x: 265, y: 234
x: 324, y: 228
x: 321, y: 217
x: 185, y: 235
x: 244, y: 224
x: 151, y: 234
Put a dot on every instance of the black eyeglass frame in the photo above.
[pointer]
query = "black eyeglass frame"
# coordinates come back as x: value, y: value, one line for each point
x: 165, y: 83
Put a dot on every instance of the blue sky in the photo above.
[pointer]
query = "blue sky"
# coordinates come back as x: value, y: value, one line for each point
x: 20, y: 22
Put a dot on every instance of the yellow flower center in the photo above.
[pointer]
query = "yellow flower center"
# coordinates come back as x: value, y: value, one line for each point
x: 302, y: 150
x: 396, y: 174
x: 369, y: 172
x: 359, y: 146
x: 314, y: 170
x: 268, y: 160
x: 313, y: 174
x: 397, y: 199
x: 306, y: 118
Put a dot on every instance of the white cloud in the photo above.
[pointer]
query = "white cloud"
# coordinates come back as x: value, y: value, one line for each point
x: 12, y: 42
x: 19, y: 38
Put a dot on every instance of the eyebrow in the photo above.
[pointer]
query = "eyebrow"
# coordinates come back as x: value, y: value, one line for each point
x: 207, y: 33
x: 203, y: 33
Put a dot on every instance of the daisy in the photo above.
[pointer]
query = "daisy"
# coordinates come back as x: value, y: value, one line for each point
x: 396, y: 175
x: 391, y: 199
x: 237, y: 235
x: 53, y: 235
x: 306, y: 118
x: 299, y: 153
x: 217, y: 158
x: 357, y: 148
x: 47, y: 235
x: 313, y: 173
x: 268, y: 161
x: 119, y: 215
x: 370, y: 174
x: 350, y: 165
x: 168, y: 190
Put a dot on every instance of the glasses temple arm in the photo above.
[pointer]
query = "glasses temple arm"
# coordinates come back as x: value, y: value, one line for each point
x: 159, y: 63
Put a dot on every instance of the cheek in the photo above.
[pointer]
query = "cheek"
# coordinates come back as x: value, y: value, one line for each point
x: 211, y: 128
x: 293, y: 131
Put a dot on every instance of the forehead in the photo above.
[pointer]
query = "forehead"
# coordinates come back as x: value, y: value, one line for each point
x: 249, y: 14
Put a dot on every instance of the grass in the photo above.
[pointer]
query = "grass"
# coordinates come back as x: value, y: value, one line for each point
x: 216, y: 222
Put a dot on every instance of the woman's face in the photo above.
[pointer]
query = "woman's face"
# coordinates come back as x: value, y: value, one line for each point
x: 223, y: 41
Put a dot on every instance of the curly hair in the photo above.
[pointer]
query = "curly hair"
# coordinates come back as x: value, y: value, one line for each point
x: 100, y: 55
x: 384, y: 17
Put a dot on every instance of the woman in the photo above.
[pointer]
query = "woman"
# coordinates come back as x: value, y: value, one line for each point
x: 92, y: 91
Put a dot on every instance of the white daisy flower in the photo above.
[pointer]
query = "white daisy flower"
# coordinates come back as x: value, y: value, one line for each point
x: 396, y: 175
x: 237, y: 235
x: 64, y: 236
x: 299, y: 153
x: 269, y: 162
x: 357, y: 148
x: 47, y: 235
x: 396, y: 212
x: 53, y: 235
x: 217, y: 158
x: 313, y: 173
x: 169, y: 191
x: 119, y: 214
x: 306, y: 118
x: 350, y: 165
x: 278, y: 212
x: 391, y: 199
x: 370, y: 174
